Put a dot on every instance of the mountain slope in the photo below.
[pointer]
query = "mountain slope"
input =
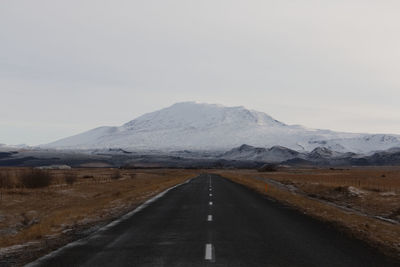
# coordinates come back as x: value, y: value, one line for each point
x: 275, y: 154
x: 195, y: 126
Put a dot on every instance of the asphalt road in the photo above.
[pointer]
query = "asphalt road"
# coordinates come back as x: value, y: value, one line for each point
x: 211, y: 221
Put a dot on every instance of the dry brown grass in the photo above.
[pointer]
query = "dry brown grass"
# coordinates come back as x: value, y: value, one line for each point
x: 370, y: 178
x: 380, y: 187
x: 383, y: 235
x: 97, y: 195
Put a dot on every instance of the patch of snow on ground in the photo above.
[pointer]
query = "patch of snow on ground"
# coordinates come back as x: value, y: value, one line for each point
x: 388, y: 194
x: 355, y: 191
x: 17, y: 247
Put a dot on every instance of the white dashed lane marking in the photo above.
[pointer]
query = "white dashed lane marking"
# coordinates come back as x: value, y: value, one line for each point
x: 209, y: 247
x: 209, y: 254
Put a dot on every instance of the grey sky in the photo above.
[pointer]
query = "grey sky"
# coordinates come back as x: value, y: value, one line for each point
x: 69, y: 66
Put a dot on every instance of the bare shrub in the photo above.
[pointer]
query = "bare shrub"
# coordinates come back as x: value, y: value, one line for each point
x: 116, y: 194
x: 88, y: 176
x: 70, y: 178
x: 6, y: 181
x: 116, y: 175
x: 35, y: 178
x: 2, y: 180
x: 268, y: 168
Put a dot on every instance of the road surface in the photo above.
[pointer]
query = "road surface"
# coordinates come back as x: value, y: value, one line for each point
x: 212, y: 221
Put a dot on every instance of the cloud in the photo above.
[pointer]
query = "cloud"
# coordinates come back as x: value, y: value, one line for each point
x: 103, y: 62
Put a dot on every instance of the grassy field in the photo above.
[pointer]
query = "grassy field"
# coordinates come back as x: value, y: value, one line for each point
x: 364, y: 202
x: 74, y: 200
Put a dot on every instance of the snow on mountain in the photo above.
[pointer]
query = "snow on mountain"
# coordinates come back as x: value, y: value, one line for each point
x: 274, y: 154
x: 326, y: 153
x: 279, y: 154
x: 195, y: 126
x: 4, y: 147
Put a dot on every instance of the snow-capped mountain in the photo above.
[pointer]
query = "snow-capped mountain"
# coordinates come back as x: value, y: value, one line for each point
x: 195, y: 126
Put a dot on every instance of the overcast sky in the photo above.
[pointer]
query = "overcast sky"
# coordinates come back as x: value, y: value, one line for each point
x: 69, y: 66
